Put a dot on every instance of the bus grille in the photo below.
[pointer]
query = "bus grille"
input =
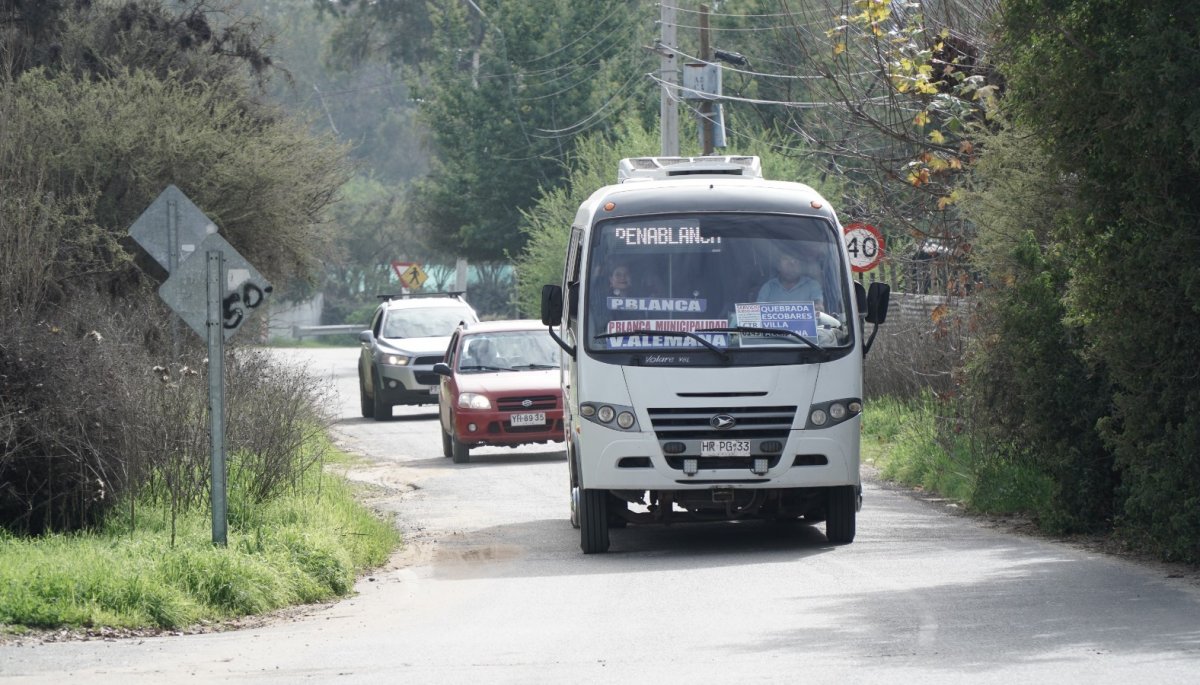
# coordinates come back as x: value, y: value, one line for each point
x: 695, y: 423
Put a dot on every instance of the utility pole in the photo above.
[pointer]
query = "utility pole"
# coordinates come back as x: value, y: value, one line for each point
x: 706, y: 106
x: 668, y: 113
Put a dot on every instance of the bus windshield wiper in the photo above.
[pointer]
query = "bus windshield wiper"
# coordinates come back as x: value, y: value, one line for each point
x: 723, y: 354
x: 766, y: 331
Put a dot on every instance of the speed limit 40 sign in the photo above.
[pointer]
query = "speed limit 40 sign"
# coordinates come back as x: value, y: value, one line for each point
x: 864, y: 243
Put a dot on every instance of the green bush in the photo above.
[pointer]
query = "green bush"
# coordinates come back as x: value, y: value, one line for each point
x: 1112, y: 108
x: 1029, y: 388
x: 99, y: 399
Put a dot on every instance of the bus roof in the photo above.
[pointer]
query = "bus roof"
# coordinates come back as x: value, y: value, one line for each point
x: 658, y: 168
x: 703, y: 193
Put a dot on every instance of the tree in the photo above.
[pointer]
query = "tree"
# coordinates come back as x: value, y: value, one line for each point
x: 366, y: 105
x: 883, y: 93
x: 132, y: 97
x: 147, y: 98
x: 1029, y: 389
x: 504, y: 87
x: 1105, y: 86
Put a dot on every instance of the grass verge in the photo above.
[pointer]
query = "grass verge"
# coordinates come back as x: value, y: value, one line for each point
x: 914, y: 442
x: 302, y: 547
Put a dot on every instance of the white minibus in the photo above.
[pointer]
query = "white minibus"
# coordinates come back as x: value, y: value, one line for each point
x: 713, y: 342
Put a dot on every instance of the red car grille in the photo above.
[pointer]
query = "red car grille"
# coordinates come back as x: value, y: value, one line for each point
x: 536, y: 403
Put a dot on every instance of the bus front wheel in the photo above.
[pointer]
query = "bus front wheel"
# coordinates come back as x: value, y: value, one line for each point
x: 841, y: 507
x: 593, y: 521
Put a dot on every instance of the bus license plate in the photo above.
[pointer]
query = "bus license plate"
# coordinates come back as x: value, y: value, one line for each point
x: 534, y: 419
x: 724, y: 448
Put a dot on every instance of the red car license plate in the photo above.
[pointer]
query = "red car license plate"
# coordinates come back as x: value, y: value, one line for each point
x: 532, y: 419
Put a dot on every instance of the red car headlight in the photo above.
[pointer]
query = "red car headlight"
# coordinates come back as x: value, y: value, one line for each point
x: 471, y: 400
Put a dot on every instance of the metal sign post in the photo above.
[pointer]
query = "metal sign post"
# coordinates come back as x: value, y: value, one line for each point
x: 214, y: 296
x: 214, y: 323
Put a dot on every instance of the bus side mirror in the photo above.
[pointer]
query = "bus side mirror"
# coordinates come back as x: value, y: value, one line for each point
x: 552, y: 305
x: 877, y: 302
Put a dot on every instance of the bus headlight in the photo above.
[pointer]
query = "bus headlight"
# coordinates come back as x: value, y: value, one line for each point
x: 833, y: 412
x: 614, y: 416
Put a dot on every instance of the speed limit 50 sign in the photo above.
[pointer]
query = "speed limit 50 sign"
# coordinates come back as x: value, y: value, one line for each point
x: 864, y: 243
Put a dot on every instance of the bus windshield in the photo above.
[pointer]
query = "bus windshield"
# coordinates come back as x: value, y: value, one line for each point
x: 722, y: 277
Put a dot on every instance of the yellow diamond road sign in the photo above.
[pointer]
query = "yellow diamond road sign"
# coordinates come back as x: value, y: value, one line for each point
x: 413, y: 277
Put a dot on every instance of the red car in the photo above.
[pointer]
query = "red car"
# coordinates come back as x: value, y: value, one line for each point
x: 499, y: 386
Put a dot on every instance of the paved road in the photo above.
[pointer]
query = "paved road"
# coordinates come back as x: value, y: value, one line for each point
x: 492, y: 588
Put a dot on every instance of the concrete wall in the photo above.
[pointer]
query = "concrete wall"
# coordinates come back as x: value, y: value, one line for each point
x: 284, y: 315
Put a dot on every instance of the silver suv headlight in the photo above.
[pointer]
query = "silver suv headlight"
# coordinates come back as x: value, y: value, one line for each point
x: 397, y: 360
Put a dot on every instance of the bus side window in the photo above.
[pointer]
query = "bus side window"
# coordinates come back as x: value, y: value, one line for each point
x: 574, y: 257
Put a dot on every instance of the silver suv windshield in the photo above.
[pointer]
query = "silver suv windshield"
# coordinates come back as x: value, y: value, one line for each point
x: 734, y: 280
x: 424, y: 322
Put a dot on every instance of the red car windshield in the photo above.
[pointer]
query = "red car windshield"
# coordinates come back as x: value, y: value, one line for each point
x: 507, y: 351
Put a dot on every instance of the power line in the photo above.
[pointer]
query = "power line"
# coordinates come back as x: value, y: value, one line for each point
x: 583, y: 81
x: 573, y: 64
x: 746, y: 29
x: 615, y: 8
x: 581, y: 125
x: 754, y: 101
x: 735, y: 16
x: 758, y: 73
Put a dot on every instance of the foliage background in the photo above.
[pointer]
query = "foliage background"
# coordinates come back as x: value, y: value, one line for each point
x: 1028, y: 160
x: 104, y: 104
x: 1102, y: 86
x: 1031, y: 163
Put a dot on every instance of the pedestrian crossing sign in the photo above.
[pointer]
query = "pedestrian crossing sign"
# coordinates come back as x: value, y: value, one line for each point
x: 413, y: 277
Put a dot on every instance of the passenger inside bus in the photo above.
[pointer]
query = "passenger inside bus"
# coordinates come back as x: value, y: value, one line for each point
x: 620, y: 280
x: 613, y: 279
x: 797, y: 279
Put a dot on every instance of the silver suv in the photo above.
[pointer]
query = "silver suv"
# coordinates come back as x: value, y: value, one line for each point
x: 409, y: 334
